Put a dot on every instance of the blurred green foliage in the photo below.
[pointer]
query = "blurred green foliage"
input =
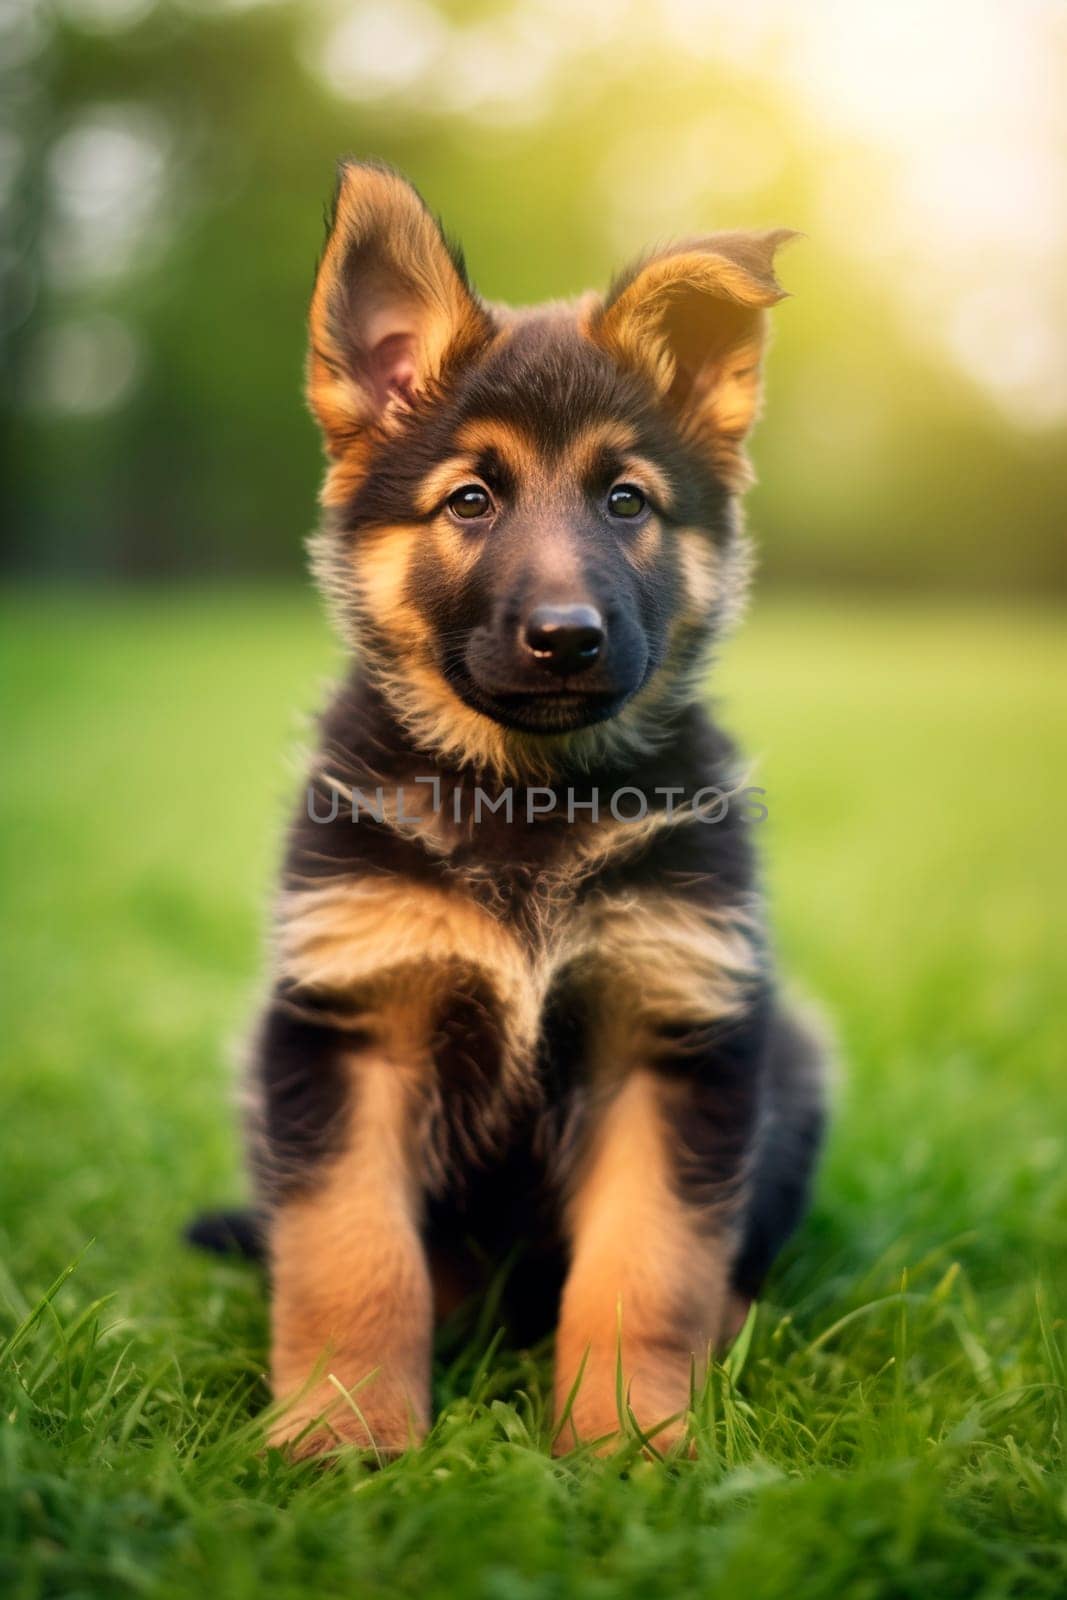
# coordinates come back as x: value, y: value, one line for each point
x: 154, y: 414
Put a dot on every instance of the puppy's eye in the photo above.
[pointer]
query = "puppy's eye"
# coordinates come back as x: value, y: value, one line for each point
x: 626, y: 500
x: 470, y: 502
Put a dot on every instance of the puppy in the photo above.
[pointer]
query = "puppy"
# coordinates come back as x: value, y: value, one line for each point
x: 522, y: 999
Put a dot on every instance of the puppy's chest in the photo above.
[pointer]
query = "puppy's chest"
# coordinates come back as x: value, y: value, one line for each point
x: 509, y: 926
x: 522, y: 951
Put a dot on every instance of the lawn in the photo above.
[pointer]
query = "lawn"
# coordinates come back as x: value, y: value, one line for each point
x: 895, y: 1426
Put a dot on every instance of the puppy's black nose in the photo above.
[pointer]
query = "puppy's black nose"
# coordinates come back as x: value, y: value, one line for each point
x: 565, y: 639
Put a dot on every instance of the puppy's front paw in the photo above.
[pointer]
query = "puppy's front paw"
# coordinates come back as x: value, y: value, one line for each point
x: 656, y: 1389
x: 598, y: 1425
x: 382, y: 1425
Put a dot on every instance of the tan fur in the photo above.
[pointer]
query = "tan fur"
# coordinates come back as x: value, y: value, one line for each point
x: 510, y: 443
x: 381, y: 571
x: 352, y: 1302
x: 344, y: 476
x: 445, y: 477
x: 584, y: 453
x: 398, y: 944
x: 648, y: 1277
x: 586, y: 449
x: 645, y: 546
x: 696, y: 557
x: 456, y: 554
x: 636, y: 468
x: 421, y: 697
x: 650, y: 959
x: 436, y: 717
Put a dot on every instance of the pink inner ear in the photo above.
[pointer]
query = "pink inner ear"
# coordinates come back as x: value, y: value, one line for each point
x: 392, y: 367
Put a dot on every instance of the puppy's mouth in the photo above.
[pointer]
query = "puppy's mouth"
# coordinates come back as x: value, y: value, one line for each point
x: 560, y: 707
x: 538, y: 702
x: 557, y: 710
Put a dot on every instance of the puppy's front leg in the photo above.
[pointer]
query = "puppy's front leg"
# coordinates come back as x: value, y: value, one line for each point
x: 648, y: 1281
x: 352, y: 1304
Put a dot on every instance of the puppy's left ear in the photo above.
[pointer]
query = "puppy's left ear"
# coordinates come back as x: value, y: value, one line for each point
x: 693, y: 320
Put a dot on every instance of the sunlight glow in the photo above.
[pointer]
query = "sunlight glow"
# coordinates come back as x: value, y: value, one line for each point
x: 959, y: 110
x: 937, y: 126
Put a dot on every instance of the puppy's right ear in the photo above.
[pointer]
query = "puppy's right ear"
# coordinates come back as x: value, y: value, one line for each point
x: 391, y: 311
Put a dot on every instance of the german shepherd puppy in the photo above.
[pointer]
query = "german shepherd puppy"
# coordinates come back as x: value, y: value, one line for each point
x: 521, y: 990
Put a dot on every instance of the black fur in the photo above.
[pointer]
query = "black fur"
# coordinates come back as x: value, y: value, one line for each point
x: 238, y: 1232
x: 304, y: 1090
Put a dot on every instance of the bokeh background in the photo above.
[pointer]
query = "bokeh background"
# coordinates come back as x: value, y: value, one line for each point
x: 164, y: 168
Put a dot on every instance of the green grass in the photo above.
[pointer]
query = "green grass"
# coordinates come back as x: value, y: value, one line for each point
x: 896, y: 1427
